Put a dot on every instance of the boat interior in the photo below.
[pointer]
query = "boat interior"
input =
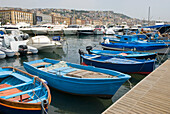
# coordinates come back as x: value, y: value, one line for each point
x: 63, y: 68
x: 19, y: 87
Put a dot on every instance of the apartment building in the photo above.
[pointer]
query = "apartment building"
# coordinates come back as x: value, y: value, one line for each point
x: 14, y: 17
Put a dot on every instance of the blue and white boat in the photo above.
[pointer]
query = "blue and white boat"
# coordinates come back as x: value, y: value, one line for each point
x: 77, y: 79
x: 125, y: 65
x: 136, y: 46
x: 22, y: 93
x: 126, y: 54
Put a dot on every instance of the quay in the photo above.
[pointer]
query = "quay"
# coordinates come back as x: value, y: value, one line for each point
x: 151, y: 95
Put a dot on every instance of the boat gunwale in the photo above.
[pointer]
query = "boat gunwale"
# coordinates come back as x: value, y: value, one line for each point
x: 24, y: 105
x: 119, y: 77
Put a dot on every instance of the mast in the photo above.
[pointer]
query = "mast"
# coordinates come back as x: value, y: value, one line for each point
x: 149, y: 16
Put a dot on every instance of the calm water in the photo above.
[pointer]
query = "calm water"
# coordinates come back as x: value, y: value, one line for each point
x: 63, y: 103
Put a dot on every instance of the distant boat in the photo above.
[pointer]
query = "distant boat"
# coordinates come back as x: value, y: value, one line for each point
x: 159, y: 47
x: 99, y: 30
x: 43, y: 43
x: 2, y: 55
x: 126, y: 65
x: 22, y: 93
x: 77, y: 79
x: 127, y: 54
x: 71, y: 30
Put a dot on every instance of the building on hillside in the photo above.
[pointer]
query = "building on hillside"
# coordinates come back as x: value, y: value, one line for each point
x: 60, y: 20
x: 15, y: 16
x: 42, y: 18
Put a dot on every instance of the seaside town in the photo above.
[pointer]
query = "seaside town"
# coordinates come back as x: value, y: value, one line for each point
x: 68, y: 16
x: 72, y: 61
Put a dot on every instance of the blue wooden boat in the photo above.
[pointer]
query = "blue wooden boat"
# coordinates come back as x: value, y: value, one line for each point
x: 125, y: 65
x: 22, y: 93
x: 77, y: 79
x: 126, y: 54
x: 136, y: 46
x: 139, y: 38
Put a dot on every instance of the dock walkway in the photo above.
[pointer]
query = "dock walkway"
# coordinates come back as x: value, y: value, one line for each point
x: 151, y: 95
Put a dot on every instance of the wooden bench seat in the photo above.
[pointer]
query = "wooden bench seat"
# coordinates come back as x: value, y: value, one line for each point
x: 12, y: 91
x: 88, y: 74
x: 40, y: 64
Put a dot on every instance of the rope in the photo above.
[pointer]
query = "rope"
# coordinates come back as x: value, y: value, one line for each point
x: 130, y: 84
x: 163, y: 56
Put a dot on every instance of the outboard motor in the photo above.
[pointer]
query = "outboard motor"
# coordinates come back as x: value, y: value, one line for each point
x: 23, y: 49
x: 25, y: 37
x: 81, y: 52
x: 88, y: 48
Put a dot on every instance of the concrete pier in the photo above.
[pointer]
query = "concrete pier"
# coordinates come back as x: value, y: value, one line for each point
x: 151, y: 95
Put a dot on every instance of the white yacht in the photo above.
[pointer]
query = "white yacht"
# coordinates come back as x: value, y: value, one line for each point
x: 43, y: 43
x: 8, y: 52
x: 99, y: 30
x: 57, y: 29
x: 42, y: 29
x: 14, y: 40
x: 71, y: 30
x: 86, y: 30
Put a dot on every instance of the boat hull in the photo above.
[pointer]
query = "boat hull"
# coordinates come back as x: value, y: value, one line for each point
x: 8, y: 109
x: 79, y: 86
x: 127, y: 54
x: 143, y: 68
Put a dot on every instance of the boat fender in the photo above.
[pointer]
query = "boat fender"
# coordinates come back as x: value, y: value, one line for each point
x: 88, y: 48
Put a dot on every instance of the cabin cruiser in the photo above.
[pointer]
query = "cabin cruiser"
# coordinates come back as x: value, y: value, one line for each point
x: 42, y: 29
x: 99, y: 30
x: 86, y: 30
x: 16, y: 43
x: 9, y: 27
x: 43, y: 43
x: 71, y: 30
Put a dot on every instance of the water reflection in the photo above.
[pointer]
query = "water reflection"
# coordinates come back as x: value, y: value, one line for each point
x: 66, y: 103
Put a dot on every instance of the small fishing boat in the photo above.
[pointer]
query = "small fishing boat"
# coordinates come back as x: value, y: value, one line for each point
x: 77, y: 79
x: 150, y: 47
x: 126, y: 65
x: 22, y: 93
x: 126, y: 54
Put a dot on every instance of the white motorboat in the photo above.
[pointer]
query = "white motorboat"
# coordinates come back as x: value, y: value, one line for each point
x: 43, y: 43
x: 86, y: 30
x: 42, y: 30
x: 99, y: 30
x: 2, y: 55
x: 110, y: 30
x: 27, y: 30
x: 13, y: 42
x: 57, y: 29
x: 71, y: 30
x: 8, y: 52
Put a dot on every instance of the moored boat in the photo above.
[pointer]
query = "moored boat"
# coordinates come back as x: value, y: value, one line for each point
x: 127, y: 54
x: 77, y: 79
x: 2, y: 55
x: 126, y: 65
x: 22, y: 93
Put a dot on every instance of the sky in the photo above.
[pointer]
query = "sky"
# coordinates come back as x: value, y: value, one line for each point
x: 159, y: 9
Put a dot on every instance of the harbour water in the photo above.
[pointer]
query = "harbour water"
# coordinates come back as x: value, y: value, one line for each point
x: 63, y: 103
